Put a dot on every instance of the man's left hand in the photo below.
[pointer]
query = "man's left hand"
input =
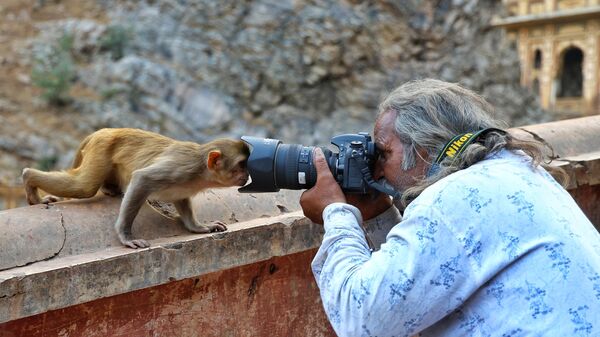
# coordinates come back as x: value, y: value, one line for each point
x: 326, y: 190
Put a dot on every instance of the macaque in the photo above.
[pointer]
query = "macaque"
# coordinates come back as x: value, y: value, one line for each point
x: 144, y: 165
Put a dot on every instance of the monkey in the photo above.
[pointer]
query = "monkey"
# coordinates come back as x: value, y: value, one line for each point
x: 144, y: 165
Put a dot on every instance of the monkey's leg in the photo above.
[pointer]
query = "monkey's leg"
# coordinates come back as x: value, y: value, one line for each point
x: 140, y: 187
x: 31, y: 191
x: 77, y: 183
x: 186, y: 214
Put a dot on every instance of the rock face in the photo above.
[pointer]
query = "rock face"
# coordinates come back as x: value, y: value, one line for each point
x: 298, y: 70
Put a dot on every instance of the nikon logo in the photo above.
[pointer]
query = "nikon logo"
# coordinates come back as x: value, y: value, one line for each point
x: 457, y: 144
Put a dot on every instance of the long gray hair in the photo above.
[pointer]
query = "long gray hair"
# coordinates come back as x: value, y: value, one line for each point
x: 428, y: 113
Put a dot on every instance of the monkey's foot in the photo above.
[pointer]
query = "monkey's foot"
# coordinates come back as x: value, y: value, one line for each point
x: 49, y: 199
x: 217, y: 226
x: 136, y: 243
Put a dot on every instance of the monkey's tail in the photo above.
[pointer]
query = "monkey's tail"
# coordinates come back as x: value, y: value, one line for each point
x: 79, y: 153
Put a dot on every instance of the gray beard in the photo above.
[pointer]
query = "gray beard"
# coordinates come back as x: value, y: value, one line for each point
x: 396, y: 201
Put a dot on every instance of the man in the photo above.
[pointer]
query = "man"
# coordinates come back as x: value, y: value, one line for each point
x: 489, y: 244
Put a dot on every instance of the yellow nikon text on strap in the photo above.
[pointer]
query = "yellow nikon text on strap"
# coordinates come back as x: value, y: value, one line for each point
x: 455, y: 146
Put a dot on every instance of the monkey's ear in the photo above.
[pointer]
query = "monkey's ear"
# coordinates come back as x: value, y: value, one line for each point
x: 214, y: 160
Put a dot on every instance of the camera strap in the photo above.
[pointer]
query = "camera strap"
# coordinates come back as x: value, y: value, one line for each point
x: 368, y: 178
x: 456, y: 146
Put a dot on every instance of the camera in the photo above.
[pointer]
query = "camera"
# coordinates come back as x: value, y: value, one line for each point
x: 273, y: 165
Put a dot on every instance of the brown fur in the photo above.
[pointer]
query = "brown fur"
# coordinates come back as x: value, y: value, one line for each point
x: 143, y: 164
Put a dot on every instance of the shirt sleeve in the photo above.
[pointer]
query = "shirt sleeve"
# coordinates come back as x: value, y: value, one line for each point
x: 419, y: 275
x: 378, y: 227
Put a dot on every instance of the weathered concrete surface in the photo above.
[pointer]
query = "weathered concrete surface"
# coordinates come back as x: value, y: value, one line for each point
x: 75, y: 279
x: 74, y: 227
x: 39, y: 238
x: 276, y: 297
x: 568, y: 138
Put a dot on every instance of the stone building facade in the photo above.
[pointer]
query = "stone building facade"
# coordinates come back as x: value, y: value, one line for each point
x: 558, y: 43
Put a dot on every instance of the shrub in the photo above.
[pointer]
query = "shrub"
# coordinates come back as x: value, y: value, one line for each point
x: 46, y: 163
x: 55, y: 72
x: 115, y: 40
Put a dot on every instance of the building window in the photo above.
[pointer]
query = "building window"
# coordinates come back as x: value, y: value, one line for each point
x: 537, y: 59
x: 570, y: 77
x: 537, y: 7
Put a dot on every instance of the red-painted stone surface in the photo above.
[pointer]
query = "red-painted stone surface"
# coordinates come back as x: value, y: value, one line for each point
x: 277, y: 297
x: 588, y: 199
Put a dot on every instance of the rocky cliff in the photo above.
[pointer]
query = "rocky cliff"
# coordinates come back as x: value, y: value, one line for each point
x: 297, y: 70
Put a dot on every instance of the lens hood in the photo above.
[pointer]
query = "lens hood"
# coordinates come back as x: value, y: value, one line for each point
x: 261, y: 164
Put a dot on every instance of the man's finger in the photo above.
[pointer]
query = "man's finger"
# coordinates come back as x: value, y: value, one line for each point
x: 320, y: 162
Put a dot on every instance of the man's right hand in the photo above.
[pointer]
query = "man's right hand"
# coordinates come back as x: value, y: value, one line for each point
x: 325, y: 192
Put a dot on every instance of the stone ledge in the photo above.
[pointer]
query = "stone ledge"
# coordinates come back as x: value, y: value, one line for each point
x: 575, y: 144
x: 75, y: 279
x: 41, y: 232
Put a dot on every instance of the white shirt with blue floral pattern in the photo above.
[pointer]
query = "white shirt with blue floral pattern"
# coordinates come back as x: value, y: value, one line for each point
x: 497, y: 249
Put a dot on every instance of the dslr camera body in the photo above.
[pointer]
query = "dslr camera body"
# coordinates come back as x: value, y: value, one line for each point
x: 273, y: 165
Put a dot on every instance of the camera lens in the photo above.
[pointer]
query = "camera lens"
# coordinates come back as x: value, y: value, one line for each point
x: 294, y: 168
x: 273, y: 165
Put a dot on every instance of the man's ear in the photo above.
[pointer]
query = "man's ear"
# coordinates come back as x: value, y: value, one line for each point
x: 214, y: 161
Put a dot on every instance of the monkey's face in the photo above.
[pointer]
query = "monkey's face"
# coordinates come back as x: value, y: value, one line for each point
x: 236, y: 174
x: 239, y: 173
x: 228, y: 163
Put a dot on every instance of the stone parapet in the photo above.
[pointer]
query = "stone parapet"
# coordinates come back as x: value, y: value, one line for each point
x: 66, y: 254
x: 575, y: 145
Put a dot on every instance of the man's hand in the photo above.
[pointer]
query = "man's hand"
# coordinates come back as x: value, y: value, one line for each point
x: 326, y: 190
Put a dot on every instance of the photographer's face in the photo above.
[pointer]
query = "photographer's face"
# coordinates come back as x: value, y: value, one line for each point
x: 391, y: 156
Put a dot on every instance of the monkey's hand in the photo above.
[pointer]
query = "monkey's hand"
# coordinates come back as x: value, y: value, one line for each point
x: 127, y: 240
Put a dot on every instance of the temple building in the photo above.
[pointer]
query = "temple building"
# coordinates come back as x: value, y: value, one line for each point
x: 558, y: 43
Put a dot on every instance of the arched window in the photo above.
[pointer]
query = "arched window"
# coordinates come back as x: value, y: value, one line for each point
x: 537, y: 59
x: 570, y: 78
